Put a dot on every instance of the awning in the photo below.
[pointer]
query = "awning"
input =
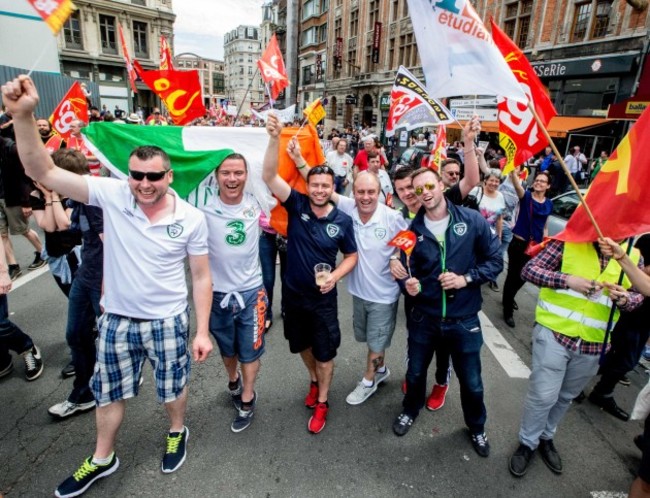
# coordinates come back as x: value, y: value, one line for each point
x: 559, y: 127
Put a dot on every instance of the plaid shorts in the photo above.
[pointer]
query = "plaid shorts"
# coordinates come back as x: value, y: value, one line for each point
x: 123, y: 345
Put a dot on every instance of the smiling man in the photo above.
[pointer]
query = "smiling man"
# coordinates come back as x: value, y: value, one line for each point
x: 239, y: 301
x: 317, y: 231
x: 149, y: 233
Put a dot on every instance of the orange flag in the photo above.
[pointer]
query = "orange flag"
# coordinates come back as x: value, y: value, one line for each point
x: 618, y: 197
x: 519, y: 134
x: 313, y: 154
x: 73, y: 106
x: 166, y: 60
x: 54, y: 12
x: 179, y: 90
x: 127, y: 60
x: 272, y: 68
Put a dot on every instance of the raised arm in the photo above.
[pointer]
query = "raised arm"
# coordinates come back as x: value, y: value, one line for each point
x: 482, y: 163
x: 295, y: 153
x: 514, y: 177
x: 472, y: 176
x: 21, y: 98
x: 276, y: 183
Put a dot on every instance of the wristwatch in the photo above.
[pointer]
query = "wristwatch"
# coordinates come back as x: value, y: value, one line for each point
x: 394, y: 258
x: 468, y: 278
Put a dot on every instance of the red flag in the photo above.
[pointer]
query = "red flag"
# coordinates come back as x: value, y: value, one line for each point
x: 618, y: 196
x: 54, y: 12
x: 179, y: 90
x: 73, y: 106
x: 272, y: 68
x: 404, y: 240
x: 439, y: 150
x: 519, y: 134
x: 166, y: 60
x: 127, y: 60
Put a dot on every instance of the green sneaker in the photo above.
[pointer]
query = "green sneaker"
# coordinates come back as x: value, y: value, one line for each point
x: 79, y: 482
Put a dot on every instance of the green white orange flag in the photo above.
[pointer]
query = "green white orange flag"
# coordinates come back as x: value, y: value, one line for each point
x: 619, y: 196
x: 519, y: 135
x: 54, y: 12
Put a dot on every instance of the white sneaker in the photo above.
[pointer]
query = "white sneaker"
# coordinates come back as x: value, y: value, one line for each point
x: 361, y: 393
x: 381, y: 377
x: 65, y: 409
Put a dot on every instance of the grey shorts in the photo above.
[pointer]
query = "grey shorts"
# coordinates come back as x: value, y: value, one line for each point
x: 13, y: 219
x: 374, y: 323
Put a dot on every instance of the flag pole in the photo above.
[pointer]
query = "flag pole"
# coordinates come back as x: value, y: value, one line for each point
x: 566, y: 169
x: 246, y: 94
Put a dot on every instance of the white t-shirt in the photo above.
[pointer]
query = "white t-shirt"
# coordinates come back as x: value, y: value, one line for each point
x: 386, y: 185
x: 490, y: 207
x: 340, y: 163
x: 371, y: 279
x: 233, y: 238
x: 144, y: 263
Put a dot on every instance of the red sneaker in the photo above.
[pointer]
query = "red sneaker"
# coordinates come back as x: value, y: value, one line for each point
x: 318, y: 419
x: 312, y: 397
x: 437, y: 398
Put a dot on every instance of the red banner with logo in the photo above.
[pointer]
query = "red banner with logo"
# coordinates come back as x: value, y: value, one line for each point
x: 127, y: 60
x: 54, y: 12
x: 272, y: 68
x: 179, y: 90
x: 73, y: 106
x: 166, y: 60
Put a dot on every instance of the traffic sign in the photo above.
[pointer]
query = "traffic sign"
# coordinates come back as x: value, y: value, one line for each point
x: 463, y: 114
x: 489, y: 101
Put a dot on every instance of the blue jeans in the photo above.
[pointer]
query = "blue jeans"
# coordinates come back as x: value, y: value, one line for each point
x: 83, y: 309
x: 11, y: 337
x: 460, y: 338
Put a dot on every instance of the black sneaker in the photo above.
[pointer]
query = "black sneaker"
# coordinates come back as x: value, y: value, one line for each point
x: 38, y: 262
x: 480, y: 444
x: 68, y: 371
x: 4, y: 371
x: 244, y: 416
x: 33, y: 363
x: 14, y: 272
x: 520, y: 460
x: 402, y: 424
x: 85, y: 476
x: 235, y: 389
x: 176, y: 451
x: 550, y: 455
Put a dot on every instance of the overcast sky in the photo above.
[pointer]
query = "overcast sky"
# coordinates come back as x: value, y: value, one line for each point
x: 200, y: 25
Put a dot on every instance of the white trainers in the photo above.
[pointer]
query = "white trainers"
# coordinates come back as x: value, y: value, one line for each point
x: 65, y: 409
x: 361, y: 393
x: 381, y: 377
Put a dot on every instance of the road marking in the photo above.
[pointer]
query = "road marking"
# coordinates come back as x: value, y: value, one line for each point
x: 608, y: 494
x: 20, y: 281
x: 502, y: 350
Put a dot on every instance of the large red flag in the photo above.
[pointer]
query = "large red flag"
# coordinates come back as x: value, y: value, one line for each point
x: 54, y: 12
x: 272, y: 68
x: 127, y: 60
x: 73, y: 106
x: 166, y: 61
x: 519, y: 135
x: 179, y: 90
x: 619, y: 195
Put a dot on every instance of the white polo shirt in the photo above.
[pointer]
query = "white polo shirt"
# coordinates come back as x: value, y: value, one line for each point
x: 144, y: 263
x: 371, y: 279
x: 340, y: 163
x: 233, y: 238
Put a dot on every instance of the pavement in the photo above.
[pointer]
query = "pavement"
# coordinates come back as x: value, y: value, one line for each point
x: 356, y: 455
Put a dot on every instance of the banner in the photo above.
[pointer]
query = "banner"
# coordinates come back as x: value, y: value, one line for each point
x: 54, y: 12
x: 457, y: 53
x: 73, y: 106
x: 411, y: 107
x: 519, y: 135
x: 166, y: 59
x: 376, y: 42
x: 179, y: 90
x: 271, y: 66
x: 284, y: 115
x: 127, y: 60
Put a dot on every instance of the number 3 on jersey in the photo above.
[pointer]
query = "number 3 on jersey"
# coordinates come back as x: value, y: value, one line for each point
x: 237, y: 235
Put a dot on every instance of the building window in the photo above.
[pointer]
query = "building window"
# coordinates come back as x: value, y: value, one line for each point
x: 140, y: 46
x: 309, y: 9
x: 72, y: 32
x: 517, y: 21
x: 352, y: 59
x: 307, y: 75
x: 591, y: 20
x: 394, y: 10
x: 325, y: 4
x: 309, y: 36
x: 601, y: 19
x: 407, y: 50
x: 139, y: 2
x: 107, y: 34
x: 392, y: 63
x: 373, y: 9
x: 581, y: 21
x: 323, y: 33
x: 354, y: 22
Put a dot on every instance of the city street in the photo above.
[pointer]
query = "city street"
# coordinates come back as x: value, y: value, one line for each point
x: 357, y: 454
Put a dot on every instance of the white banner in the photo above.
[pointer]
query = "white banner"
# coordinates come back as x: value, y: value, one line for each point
x: 285, y: 115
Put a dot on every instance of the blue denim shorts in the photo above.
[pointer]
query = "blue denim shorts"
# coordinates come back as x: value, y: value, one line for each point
x: 123, y: 345
x: 237, y: 323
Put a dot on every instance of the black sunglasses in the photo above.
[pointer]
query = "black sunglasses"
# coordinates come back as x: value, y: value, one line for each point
x: 320, y: 170
x: 152, y: 176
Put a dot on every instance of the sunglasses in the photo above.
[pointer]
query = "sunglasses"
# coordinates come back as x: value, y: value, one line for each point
x: 152, y: 176
x: 452, y: 173
x: 321, y: 170
x: 426, y: 186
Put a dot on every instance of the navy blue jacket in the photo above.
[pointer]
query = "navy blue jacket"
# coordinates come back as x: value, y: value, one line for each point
x: 471, y: 248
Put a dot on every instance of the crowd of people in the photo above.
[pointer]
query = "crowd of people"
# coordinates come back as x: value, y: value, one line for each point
x: 463, y: 227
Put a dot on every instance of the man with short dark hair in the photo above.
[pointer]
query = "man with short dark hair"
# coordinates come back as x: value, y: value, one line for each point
x: 317, y: 231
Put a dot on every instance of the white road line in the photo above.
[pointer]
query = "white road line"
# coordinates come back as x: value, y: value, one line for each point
x: 20, y: 281
x: 502, y: 350
x: 608, y: 494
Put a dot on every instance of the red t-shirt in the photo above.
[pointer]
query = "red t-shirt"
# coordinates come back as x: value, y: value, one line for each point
x: 361, y: 161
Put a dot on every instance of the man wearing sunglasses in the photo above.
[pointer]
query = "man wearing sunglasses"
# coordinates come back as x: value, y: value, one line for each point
x: 149, y: 232
x: 455, y: 253
x: 317, y: 231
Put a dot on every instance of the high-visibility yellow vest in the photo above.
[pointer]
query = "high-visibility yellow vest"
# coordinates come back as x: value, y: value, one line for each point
x: 571, y: 313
